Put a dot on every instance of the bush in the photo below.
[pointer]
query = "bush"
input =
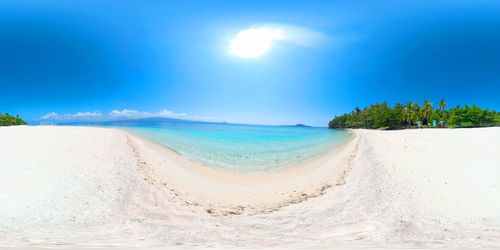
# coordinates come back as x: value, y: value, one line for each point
x: 466, y: 124
x: 7, y: 120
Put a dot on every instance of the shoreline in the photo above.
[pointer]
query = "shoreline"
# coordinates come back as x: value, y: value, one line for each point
x: 222, y: 192
x: 275, y: 171
x: 269, y: 169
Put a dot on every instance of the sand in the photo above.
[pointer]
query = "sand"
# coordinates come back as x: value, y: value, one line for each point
x: 83, y: 187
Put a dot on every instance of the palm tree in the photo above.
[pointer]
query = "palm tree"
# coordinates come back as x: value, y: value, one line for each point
x: 426, y: 111
x: 363, y: 117
x: 357, y: 110
x: 398, y: 106
x: 398, y: 112
x: 357, y: 113
x: 442, y: 104
x: 409, y: 116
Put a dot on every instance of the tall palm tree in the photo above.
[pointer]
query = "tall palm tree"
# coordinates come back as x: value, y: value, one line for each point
x: 442, y: 104
x: 357, y: 110
x: 398, y: 112
x: 364, y: 116
x: 426, y: 111
x: 356, y: 113
x: 409, y: 115
x: 398, y: 106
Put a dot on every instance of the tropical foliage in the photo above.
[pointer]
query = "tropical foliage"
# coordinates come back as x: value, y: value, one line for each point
x: 7, y: 120
x: 409, y: 115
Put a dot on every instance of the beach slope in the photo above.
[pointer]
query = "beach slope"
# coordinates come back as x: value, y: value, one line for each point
x: 81, y: 186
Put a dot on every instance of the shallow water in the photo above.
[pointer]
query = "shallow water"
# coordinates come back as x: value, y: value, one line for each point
x: 239, y: 147
x: 243, y: 147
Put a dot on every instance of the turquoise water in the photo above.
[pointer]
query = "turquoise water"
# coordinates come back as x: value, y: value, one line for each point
x: 243, y: 147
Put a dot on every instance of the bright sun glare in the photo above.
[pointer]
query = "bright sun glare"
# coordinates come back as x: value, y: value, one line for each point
x: 252, y: 43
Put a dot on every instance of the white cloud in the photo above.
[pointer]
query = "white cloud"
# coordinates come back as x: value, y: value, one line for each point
x: 256, y: 40
x: 75, y: 116
x: 88, y: 114
x: 298, y: 35
x: 168, y: 113
x: 126, y: 113
x: 115, y: 115
x: 49, y: 115
x: 134, y: 114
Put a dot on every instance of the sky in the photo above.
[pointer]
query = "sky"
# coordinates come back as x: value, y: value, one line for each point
x: 102, y: 60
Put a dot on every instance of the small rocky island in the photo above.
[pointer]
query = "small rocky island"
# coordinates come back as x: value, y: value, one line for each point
x: 297, y: 125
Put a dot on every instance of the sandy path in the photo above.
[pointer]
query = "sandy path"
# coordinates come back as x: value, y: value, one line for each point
x: 425, y: 188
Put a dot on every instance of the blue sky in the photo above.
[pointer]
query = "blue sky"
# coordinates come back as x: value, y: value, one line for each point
x: 95, y: 60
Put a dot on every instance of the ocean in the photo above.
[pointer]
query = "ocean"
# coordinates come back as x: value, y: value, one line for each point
x: 238, y: 147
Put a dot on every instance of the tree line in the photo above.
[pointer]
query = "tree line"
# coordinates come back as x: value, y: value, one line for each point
x: 411, y: 114
x: 7, y: 120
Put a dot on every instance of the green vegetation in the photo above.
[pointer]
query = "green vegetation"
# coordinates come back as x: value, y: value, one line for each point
x: 7, y: 120
x: 410, y: 115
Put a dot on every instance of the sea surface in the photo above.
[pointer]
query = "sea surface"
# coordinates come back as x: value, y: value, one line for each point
x: 237, y: 147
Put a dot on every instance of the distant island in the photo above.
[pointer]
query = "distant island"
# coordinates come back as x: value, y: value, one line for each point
x: 297, y: 125
x: 412, y: 115
x: 8, y: 120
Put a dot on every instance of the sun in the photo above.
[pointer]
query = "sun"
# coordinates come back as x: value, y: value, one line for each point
x: 252, y: 43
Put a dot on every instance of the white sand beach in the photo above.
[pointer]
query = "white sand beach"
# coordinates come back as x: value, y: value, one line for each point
x: 87, y: 187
